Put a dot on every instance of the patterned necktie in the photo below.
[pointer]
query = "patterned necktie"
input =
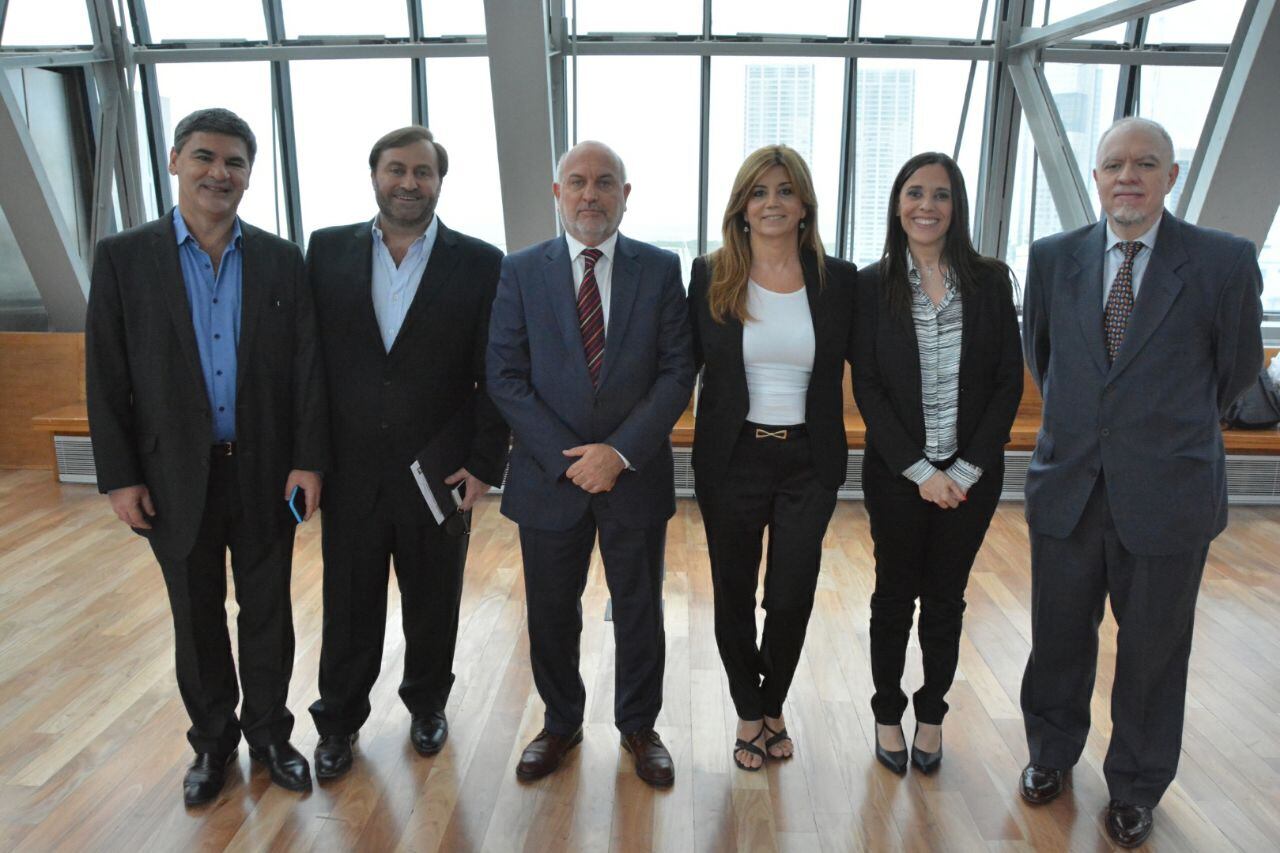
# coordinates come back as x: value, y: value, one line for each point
x: 591, y: 316
x: 1120, y: 300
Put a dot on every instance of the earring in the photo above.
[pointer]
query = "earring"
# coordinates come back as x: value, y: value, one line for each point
x: 746, y: 229
x: 801, y: 224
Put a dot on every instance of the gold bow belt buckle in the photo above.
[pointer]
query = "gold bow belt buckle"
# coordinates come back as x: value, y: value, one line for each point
x: 780, y: 434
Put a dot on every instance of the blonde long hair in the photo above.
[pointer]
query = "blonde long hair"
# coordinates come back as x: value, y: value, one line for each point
x: 731, y: 263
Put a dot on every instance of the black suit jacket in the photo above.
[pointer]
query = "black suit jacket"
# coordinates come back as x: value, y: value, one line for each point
x: 886, y: 374
x: 723, y: 402
x: 386, y: 406
x: 149, y: 415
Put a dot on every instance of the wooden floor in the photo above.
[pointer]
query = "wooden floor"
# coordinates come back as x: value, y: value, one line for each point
x: 92, y: 750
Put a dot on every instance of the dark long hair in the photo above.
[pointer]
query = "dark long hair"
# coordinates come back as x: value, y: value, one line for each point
x: 957, y: 252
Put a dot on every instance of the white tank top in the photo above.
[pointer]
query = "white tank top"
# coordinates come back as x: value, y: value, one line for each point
x: 777, y: 354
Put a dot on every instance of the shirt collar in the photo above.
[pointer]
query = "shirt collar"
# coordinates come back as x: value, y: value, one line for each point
x: 183, y: 233
x: 606, y: 248
x: 1148, y: 239
x: 427, y: 236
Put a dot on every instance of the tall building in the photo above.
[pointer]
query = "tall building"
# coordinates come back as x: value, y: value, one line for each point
x: 778, y: 107
x: 886, y: 113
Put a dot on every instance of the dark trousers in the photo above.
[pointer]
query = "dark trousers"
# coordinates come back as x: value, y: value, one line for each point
x: 1153, y: 600
x: 197, y: 586
x: 770, y: 484
x: 922, y: 551
x: 358, y: 553
x: 555, y: 575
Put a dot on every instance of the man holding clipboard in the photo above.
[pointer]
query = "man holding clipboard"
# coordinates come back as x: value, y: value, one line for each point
x: 403, y: 305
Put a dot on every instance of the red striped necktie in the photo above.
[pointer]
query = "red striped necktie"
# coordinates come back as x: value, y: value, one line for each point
x: 591, y: 316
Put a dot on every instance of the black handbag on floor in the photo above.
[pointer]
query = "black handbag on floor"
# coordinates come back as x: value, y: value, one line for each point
x: 1258, y: 407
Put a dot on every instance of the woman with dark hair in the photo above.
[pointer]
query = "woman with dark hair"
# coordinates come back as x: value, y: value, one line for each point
x: 937, y: 375
x: 772, y: 317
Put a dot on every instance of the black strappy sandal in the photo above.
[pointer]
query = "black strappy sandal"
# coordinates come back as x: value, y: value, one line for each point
x: 775, y: 738
x: 750, y: 746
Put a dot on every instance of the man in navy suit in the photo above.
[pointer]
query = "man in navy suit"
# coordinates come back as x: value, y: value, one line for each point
x: 1139, y: 330
x: 590, y: 363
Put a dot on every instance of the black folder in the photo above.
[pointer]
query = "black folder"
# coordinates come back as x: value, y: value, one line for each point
x: 445, y: 453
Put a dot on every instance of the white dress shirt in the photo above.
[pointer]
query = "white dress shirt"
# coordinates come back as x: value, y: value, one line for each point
x: 393, y: 287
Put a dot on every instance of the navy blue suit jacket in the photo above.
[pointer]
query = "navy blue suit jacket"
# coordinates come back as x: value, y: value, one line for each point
x: 1149, y: 421
x: 537, y: 377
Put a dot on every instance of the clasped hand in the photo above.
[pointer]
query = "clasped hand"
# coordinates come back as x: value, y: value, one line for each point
x: 596, y: 469
x: 942, y: 490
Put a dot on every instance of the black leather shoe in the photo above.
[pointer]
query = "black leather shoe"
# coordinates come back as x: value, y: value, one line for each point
x: 288, y: 768
x: 653, y: 759
x: 895, y: 760
x: 925, y: 762
x: 1039, y: 785
x: 333, y: 755
x: 429, y: 732
x: 1128, y: 825
x: 205, y: 777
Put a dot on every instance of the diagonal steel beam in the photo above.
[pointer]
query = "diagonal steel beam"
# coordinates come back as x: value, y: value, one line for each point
x: 1034, y: 38
x: 1070, y: 194
x: 28, y: 200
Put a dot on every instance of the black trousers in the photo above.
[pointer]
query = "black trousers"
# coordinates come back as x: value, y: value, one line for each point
x: 770, y: 485
x: 922, y: 551
x: 358, y: 553
x: 555, y: 574
x: 1153, y: 600
x: 197, y: 586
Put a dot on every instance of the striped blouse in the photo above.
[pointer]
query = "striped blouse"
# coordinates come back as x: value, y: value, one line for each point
x: 938, y: 334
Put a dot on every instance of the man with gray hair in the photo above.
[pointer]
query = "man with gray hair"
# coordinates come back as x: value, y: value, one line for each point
x: 207, y: 412
x: 590, y: 362
x: 1139, y: 331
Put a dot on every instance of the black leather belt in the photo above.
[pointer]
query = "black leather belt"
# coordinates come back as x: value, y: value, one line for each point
x: 777, y: 433
x: 223, y: 449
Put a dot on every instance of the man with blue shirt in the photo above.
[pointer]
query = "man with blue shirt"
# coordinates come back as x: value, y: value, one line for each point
x: 207, y: 409
x: 403, y: 304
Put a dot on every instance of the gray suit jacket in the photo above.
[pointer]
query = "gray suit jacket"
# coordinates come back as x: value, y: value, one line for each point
x: 537, y: 376
x: 1149, y: 421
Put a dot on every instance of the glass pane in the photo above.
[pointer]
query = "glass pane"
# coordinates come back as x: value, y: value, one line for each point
x: 1086, y: 99
x: 460, y: 105
x: 1178, y: 98
x: 905, y: 107
x: 1024, y: 208
x: 1270, y: 261
x: 654, y: 16
x: 149, y: 205
x: 938, y: 18
x: 235, y: 19
x: 340, y: 108
x: 813, y: 17
x: 759, y: 101
x: 657, y: 138
x: 1198, y: 22
x: 55, y: 120
x: 244, y: 87
x: 366, y: 18
x: 47, y: 22
x: 21, y: 308
x: 453, y: 17
x: 1060, y: 10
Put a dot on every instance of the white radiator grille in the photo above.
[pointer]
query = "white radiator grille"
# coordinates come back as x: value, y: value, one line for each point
x: 75, y: 459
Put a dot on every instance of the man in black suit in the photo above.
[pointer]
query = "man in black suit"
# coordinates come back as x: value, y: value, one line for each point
x: 403, y: 304
x: 207, y: 408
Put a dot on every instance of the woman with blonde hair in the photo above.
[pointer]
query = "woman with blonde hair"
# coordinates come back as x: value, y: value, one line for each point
x: 772, y: 317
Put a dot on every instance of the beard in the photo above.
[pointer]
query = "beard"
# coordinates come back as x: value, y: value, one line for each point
x: 388, y: 207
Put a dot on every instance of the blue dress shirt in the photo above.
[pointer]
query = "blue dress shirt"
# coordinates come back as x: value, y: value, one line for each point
x: 395, y: 286
x: 215, y: 315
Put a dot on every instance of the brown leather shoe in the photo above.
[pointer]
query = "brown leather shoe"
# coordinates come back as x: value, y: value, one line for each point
x: 653, y: 761
x: 544, y: 754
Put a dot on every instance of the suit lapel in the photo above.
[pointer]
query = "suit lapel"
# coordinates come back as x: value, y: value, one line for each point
x: 1159, y: 287
x: 439, y: 271
x: 356, y: 276
x: 255, y: 297
x: 1087, y: 288
x: 623, y: 284
x: 169, y: 278
x: 557, y: 276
